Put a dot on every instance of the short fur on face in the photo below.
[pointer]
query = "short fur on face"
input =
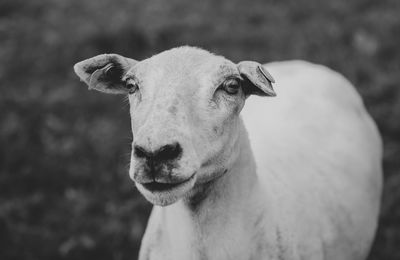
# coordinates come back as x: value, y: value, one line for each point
x: 180, y: 97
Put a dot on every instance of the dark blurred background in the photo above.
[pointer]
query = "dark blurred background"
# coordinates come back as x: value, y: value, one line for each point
x: 64, y: 151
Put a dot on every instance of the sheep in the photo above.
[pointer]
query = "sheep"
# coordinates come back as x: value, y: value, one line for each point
x: 296, y: 176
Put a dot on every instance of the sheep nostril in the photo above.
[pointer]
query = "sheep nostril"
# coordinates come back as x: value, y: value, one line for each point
x: 168, y: 152
x: 140, y: 152
x: 165, y: 153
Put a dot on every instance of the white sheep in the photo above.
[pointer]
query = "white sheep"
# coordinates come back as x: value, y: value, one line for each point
x: 306, y: 184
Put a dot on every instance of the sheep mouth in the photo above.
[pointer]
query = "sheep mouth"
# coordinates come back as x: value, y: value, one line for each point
x: 158, y: 187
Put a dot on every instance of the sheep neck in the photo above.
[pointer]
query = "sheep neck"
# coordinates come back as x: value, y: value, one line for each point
x: 229, y: 207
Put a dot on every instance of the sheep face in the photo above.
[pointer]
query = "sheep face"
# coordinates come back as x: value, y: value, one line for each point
x: 184, y: 106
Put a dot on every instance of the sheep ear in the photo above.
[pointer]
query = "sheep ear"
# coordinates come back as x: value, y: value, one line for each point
x: 105, y: 72
x: 258, y: 81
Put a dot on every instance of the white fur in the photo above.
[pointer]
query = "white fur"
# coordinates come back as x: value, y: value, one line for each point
x: 315, y: 191
x: 302, y: 182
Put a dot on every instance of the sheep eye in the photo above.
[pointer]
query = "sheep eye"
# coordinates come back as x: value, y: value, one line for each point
x: 131, y: 86
x: 231, y: 86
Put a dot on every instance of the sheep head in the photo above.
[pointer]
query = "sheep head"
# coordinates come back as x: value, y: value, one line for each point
x: 184, y: 107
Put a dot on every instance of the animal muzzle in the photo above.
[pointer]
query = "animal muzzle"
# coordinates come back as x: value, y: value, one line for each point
x: 161, y: 165
x: 163, y: 171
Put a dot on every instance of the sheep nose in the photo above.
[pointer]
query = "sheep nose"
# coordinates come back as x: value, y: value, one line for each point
x: 167, y: 152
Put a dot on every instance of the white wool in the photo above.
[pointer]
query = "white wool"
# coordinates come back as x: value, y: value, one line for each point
x: 296, y: 176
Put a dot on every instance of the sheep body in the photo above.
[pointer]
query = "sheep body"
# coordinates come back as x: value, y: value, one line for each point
x: 313, y: 191
x: 297, y: 176
x: 319, y: 154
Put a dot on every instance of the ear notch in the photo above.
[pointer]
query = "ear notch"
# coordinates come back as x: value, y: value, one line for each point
x: 258, y: 81
x: 105, y: 72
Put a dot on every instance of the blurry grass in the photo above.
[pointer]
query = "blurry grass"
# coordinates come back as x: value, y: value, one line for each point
x: 64, y: 188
